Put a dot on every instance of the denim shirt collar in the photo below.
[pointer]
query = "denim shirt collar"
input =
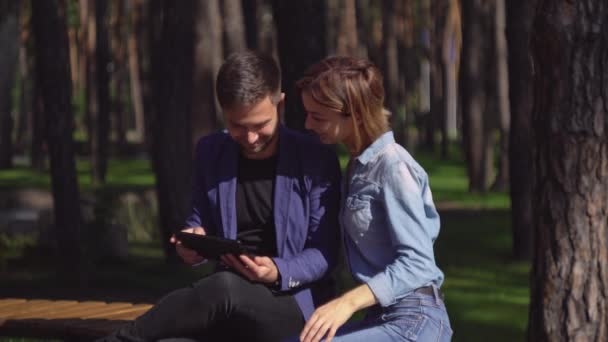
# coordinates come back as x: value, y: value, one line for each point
x: 378, y: 145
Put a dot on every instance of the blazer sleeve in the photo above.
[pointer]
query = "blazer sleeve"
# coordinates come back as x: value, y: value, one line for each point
x: 200, y: 212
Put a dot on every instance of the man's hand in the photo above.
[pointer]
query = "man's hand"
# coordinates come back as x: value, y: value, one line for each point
x: 259, y: 269
x: 189, y: 256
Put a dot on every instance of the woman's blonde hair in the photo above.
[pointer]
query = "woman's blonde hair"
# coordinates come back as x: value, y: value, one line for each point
x: 352, y: 86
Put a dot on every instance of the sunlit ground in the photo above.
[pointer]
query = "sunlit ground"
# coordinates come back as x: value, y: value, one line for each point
x: 486, y: 291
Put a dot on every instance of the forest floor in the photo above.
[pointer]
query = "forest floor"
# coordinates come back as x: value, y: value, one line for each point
x: 486, y: 289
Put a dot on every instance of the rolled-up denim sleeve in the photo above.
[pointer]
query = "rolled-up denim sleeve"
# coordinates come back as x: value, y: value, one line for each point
x: 410, y: 219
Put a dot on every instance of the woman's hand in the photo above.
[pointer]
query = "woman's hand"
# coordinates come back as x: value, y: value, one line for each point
x: 326, y: 320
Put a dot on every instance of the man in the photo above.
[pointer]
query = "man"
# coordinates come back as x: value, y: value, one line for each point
x: 272, y: 188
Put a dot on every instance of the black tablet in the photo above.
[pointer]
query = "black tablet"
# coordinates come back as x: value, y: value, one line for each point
x: 212, y: 247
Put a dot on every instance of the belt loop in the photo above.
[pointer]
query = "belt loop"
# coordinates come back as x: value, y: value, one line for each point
x: 436, y: 294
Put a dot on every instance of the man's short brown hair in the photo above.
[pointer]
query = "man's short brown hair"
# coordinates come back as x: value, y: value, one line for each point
x: 246, y: 78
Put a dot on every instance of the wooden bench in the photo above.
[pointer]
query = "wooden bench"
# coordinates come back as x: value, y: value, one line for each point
x: 68, y: 320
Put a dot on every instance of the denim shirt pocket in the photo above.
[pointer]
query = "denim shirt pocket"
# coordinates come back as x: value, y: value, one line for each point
x: 357, y: 215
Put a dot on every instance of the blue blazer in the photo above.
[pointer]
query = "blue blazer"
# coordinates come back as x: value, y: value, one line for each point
x: 306, y: 204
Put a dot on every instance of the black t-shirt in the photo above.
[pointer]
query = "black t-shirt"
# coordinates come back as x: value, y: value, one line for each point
x: 254, y: 204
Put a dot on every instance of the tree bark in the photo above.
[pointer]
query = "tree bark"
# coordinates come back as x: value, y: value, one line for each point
x: 409, y: 72
x: 519, y: 24
x: 172, y: 134
x: 206, y: 113
x: 347, y: 41
x: 100, y: 115
x: 119, y: 72
x: 137, y: 97
x: 390, y: 64
x: 570, y: 123
x: 53, y: 75
x: 301, y: 42
x: 250, y: 19
x: 452, y: 40
x: 501, y: 183
x: 23, y: 120
x: 439, y: 14
x: 473, y: 83
x: 234, y: 26
x: 9, y: 41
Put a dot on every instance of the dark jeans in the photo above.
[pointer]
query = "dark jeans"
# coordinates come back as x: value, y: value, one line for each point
x: 221, y: 307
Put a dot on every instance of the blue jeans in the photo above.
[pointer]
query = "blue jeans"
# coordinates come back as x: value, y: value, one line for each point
x: 417, y: 317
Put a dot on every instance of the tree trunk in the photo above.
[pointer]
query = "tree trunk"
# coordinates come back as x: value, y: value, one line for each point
x: 137, y: 96
x: 519, y: 23
x: 53, y: 75
x: 301, y: 42
x: 502, y: 91
x: 73, y: 46
x: 259, y: 26
x: 570, y: 122
x: 101, y: 128
x: 233, y: 24
x: 206, y: 114
x: 37, y: 153
x: 390, y: 64
x: 452, y: 40
x: 250, y: 19
x: 83, y: 12
x: 439, y: 13
x: 409, y: 72
x: 119, y: 74
x: 23, y: 123
x: 473, y: 82
x: 347, y: 42
x: 172, y: 134
x: 9, y: 41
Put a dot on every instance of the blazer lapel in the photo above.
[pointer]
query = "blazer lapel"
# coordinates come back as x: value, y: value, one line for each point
x: 283, y: 188
x: 227, y: 173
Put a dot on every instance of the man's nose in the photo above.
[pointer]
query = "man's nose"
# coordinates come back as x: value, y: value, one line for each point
x: 252, y: 137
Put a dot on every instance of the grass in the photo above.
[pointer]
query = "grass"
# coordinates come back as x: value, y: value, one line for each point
x: 486, y: 291
x: 121, y: 173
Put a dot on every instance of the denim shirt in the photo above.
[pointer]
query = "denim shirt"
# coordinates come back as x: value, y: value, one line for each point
x: 389, y: 222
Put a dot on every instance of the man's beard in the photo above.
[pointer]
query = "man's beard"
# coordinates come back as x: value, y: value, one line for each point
x: 262, y: 147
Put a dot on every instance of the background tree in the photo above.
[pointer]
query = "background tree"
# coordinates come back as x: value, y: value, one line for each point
x: 520, y: 14
x: 570, y: 124
x: 208, y: 57
x: 119, y: 72
x: 9, y: 40
x: 99, y: 106
x: 234, y: 26
x: 474, y: 84
x: 501, y: 183
x: 135, y: 40
x: 301, y: 41
x: 452, y: 39
x: 171, y: 128
x: 53, y: 79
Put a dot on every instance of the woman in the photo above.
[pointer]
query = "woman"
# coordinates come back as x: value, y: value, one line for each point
x: 388, y: 217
